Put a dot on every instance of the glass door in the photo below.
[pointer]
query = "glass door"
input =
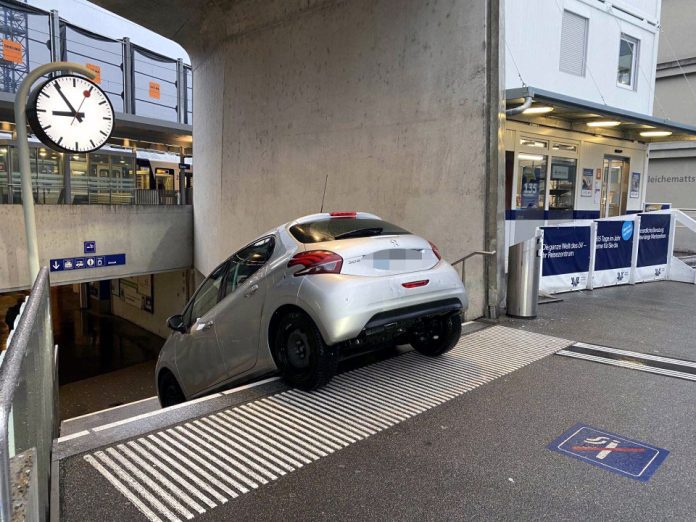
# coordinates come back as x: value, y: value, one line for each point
x: 614, y: 187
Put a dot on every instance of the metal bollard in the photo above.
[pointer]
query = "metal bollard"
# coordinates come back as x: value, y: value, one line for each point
x: 523, y: 279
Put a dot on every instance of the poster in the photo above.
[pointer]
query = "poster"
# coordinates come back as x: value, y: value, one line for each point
x: 635, y: 184
x: 154, y: 90
x: 613, y: 253
x: 12, y: 51
x: 96, y: 69
x: 560, y: 172
x: 138, y: 292
x: 566, y: 258
x: 586, y: 190
x: 653, y: 246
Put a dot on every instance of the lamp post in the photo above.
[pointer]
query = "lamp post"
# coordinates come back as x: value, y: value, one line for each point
x: 20, y: 105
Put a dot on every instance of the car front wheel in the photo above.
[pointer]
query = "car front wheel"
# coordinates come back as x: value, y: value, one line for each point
x: 438, y: 335
x: 170, y: 392
x: 304, y: 359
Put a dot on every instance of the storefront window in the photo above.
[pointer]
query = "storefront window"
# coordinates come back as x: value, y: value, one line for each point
x: 531, y: 181
x: 562, y: 183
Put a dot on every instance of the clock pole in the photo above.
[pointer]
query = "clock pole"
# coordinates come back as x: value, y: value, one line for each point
x: 23, y: 152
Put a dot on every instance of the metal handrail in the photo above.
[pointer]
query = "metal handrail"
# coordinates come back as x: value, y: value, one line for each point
x: 470, y: 255
x: 11, y: 369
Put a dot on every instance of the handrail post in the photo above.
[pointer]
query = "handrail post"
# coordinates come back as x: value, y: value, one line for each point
x: 468, y: 256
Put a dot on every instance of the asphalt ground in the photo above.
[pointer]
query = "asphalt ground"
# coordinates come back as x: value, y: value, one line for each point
x: 656, y: 318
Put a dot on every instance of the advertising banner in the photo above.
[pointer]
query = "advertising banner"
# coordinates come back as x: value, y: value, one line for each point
x: 653, y: 246
x: 566, y: 258
x: 614, y: 253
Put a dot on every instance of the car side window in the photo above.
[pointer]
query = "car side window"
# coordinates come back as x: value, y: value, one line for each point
x: 247, y: 261
x: 206, y: 297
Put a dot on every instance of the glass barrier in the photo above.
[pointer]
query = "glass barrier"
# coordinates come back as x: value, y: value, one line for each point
x: 28, y: 402
x: 102, y: 55
x: 24, y: 42
x: 154, y: 85
x: 189, y: 96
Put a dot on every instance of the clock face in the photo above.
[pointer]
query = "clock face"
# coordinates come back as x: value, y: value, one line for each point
x: 71, y: 114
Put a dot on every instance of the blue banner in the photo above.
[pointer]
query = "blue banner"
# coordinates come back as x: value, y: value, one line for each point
x: 653, y: 244
x: 566, y: 250
x: 614, y: 245
x: 80, y: 263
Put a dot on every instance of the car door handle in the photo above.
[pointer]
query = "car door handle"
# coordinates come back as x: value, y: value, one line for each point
x: 252, y: 290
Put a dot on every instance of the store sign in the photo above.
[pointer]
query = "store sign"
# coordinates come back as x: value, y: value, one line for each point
x: 614, y: 252
x: 12, y: 51
x: 154, y: 90
x: 566, y: 258
x: 653, y: 246
x: 96, y: 69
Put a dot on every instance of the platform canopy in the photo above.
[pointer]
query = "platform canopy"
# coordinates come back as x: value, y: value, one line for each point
x: 552, y: 109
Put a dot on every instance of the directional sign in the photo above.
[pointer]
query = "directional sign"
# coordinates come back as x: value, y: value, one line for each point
x: 79, y: 263
x: 627, y: 457
x: 90, y: 247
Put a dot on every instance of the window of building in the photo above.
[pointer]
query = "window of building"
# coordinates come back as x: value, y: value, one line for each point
x: 531, y: 181
x: 562, y: 183
x: 573, y: 43
x: 628, y: 62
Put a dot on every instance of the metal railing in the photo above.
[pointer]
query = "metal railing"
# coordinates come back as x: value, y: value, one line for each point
x: 92, y: 194
x: 28, y: 404
x: 463, y: 260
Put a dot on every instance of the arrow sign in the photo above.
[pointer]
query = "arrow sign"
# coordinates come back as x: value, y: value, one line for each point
x: 55, y: 266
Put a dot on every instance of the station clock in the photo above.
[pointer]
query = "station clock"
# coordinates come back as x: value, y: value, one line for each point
x: 69, y: 113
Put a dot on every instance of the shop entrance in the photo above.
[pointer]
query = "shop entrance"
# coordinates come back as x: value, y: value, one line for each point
x: 614, y: 186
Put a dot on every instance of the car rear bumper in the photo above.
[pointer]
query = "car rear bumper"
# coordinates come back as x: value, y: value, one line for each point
x: 344, y: 306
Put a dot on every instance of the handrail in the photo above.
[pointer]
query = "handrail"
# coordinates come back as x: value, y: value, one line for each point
x: 19, y: 349
x: 468, y: 256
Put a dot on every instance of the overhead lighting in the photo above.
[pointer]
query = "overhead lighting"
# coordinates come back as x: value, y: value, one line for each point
x: 537, y: 109
x: 603, y: 123
x: 530, y: 157
x: 655, y: 134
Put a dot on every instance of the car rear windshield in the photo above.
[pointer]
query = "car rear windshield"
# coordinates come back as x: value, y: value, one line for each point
x: 343, y: 228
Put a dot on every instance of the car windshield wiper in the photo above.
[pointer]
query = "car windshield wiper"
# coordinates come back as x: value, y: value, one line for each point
x: 360, y: 232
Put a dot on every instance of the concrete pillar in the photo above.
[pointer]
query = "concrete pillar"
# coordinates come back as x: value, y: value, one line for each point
x: 128, y: 87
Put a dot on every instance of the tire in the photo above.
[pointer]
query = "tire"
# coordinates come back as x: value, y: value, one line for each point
x: 302, y: 356
x: 438, y: 336
x: 170, y: 392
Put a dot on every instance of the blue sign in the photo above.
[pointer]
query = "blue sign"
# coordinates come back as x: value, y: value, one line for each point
x: 79, y: 263
x: 627, y: 457
x: 566, y: 250
x: 653, y: 243
x: 614, y: 246
x: 90, y: 247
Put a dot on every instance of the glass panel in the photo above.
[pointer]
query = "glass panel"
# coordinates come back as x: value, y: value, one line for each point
x: 534, y: 143
x: 5, y: 185
x: 155, y: 86
x: 562, y: 183
x: 79, y: 180
x: 49, y: 183
x: 17, y: 177
x: 105, y: 57
x: 189, y: 96
x: 122, y: 178
x: 207, y: 295
x: 24, y: 45
x: 531, y: 181
x: 99, y: 179
x: 246, y: 262
x: 565, y: 147
x: 626, y: 57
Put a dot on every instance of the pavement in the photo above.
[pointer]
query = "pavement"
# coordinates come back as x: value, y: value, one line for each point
x: 479, y: 450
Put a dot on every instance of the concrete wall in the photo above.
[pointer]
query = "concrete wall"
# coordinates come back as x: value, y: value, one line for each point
x: 154, y: 239
x: 385, y: 97
x: 533, y: 40
x: 677, y: 35
x: 169, y: 297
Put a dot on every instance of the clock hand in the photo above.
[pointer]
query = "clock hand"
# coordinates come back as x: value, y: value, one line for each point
x: 67, y: 101
x: 68, y: 113
x: 86, y: 95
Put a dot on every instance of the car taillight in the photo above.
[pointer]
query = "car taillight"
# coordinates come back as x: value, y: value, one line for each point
x: 436, y: 251
x: 415, y: 284
x: 343, y: 214
x: 316, y: 262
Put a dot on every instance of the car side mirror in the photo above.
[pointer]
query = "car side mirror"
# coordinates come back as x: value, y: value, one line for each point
x: 176, y: 323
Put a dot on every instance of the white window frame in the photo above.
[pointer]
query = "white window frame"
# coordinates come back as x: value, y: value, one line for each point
x: 634, y: 62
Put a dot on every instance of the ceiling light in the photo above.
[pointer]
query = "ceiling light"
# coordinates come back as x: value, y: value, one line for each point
x: 530, y: 157
x: 655, y: 134
x: 603, y: 123
x: 538, y: 109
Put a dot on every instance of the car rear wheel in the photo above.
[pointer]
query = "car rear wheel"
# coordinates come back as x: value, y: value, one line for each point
x: 169, y: 391
x: 438, y: 335
x: 304, y: 359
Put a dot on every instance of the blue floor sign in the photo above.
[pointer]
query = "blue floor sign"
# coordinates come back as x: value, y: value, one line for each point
x: 78, y: 263
x: 612, y: 452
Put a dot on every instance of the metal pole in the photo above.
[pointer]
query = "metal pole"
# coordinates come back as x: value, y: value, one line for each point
x: 23, y: 152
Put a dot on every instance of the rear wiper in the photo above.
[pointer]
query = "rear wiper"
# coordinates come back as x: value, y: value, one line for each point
x: 360, y: 232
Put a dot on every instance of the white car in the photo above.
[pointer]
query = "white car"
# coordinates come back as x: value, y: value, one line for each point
x: 305, y: 293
